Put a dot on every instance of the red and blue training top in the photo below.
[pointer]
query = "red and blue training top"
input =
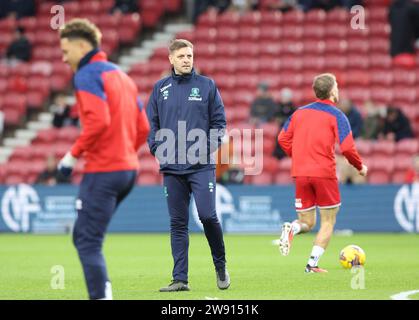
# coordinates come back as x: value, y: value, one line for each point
x: 114, y: 123
x: 309, y: 137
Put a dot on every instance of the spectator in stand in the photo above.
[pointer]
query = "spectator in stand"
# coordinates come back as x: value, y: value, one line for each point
x: 61, y: 111
x: 216, y: 6
x: 283, y: 5
x: 374, y: 121
x: 51, y: 176
x: 17, y: 8
x: 353, y: 115
x: 328, y: 4
x: 125, y: 6
x: 263, y: 107
x: 404, y: 21
x: 285, y: 107
x: 243, y: 5
x: 396, y: 125
x: 412, y: 174
x: 20, y: 49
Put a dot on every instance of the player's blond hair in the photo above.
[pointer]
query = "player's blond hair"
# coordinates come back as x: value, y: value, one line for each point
x: 323, y: 85
x: 177, y: 44
x: 82, y: 29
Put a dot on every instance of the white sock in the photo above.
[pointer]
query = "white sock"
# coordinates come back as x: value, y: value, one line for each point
x: 296, y: 228
x: 315, y: 256
x: 108, y: 291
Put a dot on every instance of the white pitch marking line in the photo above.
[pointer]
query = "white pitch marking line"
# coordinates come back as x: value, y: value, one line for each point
x: 404, y: 295
x: 211, y: 298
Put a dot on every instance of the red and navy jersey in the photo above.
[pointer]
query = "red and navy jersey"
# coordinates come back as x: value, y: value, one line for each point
x: 309, y: 137
x: 114, y: 123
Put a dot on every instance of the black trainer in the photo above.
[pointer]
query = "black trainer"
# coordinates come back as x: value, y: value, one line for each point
x: 176, y: 285
x: 223, y: 278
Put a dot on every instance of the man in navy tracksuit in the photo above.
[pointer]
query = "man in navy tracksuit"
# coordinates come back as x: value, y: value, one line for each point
x: 114, y: 127
x: 187, y: 121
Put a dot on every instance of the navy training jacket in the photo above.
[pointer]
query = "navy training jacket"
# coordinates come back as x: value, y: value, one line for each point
x: 182, y: 103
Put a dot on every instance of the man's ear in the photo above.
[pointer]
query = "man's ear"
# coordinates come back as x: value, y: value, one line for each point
x: 170, y: 59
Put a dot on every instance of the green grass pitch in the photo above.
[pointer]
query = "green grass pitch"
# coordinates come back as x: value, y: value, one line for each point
x: 139, y: 264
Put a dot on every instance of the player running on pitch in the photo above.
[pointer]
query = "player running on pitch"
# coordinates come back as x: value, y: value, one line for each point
x: 113, y: 128
x: 309, y: 137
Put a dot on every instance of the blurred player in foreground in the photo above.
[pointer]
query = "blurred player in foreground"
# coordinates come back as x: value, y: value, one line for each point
x: 113, y: 128
x: 309, y: 137
x: 186, y: 103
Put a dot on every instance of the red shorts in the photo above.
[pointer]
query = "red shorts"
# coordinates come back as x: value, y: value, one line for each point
x: 314, y: 191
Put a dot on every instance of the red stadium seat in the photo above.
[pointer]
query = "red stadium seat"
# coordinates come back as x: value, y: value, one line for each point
x: 358, y: 61
x: 336, y: 46
x: 383, y: 148
x: 207, y: 19
x: 378, y: 14
x: 381, y: 78
x: 173, y: 5
x: 249, y: 33
x: 229, y: 19
x: 314, y: 47
x: 315, y: 16
x: 407, y: 147
x: 227, y: 33
x: 379, y: 45
x: 283, y: 178
x: 402, y: 94
x: 262, y: 179
x: 379, y: 177
x: 270, y: 164
x: 251, y: 18
x: 404, y: 77
x: 12, y: 117
x: 270, y: 48
x: 359, y: 46
x: 380, y: 61
x: 293, y: 17
x: 291, y: 32
x: 335, y: 62
x: 379, y: 30
x: 364, y: 147
x: 14, y: 179
x: 314, y: 31
x: 338, y: 15
x: 381, y: 95
x: 272, y: 18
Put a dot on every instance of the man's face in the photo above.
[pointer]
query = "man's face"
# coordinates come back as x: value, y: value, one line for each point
x: 73, y: 52
x: 182, y: 60
x: 334, y: 94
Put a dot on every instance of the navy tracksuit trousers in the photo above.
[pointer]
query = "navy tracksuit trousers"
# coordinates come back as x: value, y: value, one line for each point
x: 178, y: 189
x: 99, y: 196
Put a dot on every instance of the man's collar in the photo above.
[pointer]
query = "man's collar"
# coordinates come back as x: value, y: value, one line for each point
x: 180, y: 77
x: 92, y: 56
x: 326, y: 101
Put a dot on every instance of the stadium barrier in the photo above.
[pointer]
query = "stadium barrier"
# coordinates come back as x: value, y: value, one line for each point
x: 242, y: 209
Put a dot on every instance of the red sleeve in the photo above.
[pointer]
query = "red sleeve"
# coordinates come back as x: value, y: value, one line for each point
x: 349, y: 151
x: 285, y: 137
x: 143, y: 129
x: 95, y: 118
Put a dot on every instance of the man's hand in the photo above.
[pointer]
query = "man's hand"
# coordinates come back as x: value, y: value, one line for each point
x: 363, y: 172
x: 66, y: 165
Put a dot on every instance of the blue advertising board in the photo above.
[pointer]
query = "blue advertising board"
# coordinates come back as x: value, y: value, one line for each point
x: 242, y: 209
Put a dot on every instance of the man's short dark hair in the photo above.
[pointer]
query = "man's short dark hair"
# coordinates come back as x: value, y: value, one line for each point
x: 179, y: 44
x: 82, y: 29
x: 323, y: 85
